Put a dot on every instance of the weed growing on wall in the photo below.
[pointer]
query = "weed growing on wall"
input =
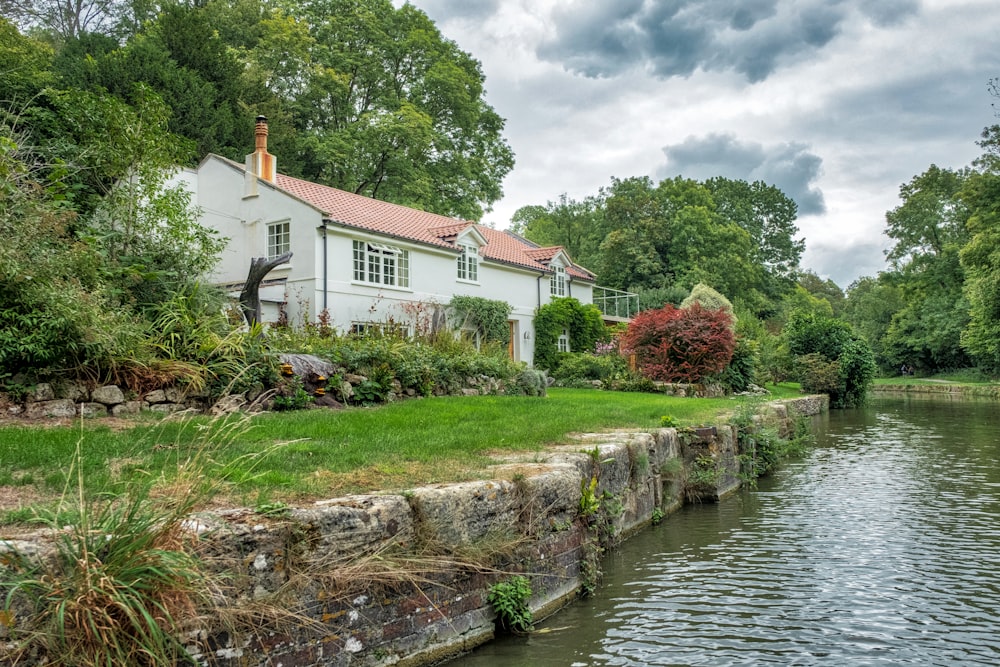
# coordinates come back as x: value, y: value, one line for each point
x: 510, y: 602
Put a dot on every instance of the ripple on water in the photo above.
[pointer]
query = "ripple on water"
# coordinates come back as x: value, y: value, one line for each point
x: 880, y: 547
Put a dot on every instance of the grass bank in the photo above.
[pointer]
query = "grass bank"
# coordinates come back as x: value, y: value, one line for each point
x: 274, y: 458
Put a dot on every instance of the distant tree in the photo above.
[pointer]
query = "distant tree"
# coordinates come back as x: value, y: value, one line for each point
x: 832, y: 359
x: 574, y: 225
x: 823, y: 289
x: 869, y: 308
x: 929, y: 229
x: 769, y: 216
x: 980, y: 258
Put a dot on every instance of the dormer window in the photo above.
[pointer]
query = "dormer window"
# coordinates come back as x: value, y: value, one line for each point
x: 557, y: 283
x: 468, y: 263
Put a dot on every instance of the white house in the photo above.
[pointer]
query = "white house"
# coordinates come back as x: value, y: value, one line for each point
x: 365, y: 262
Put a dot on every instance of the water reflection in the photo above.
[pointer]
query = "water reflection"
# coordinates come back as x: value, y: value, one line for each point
x: 880, y: 547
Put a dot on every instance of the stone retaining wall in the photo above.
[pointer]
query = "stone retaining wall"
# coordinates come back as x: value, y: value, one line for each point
x: 402, y: 579
x: 939, y: 389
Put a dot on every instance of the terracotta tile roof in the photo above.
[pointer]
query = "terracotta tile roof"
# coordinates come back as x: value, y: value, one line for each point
x: 407, y: 223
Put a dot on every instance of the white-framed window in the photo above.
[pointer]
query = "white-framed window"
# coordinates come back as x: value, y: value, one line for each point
x: 557, y: 284
x: 370, y: 328
x: 279, y: 238
x: 381, y: 264
x: 468, y: 263
x: 563, y: 343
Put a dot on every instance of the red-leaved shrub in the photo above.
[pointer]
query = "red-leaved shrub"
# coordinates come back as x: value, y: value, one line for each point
x: 680, y: 344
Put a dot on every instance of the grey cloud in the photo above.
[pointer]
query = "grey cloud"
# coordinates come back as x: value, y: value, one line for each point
x: 890, y: 12
x: 790, y: 167
x: 843, y: 264
x: 442, y: 10
x: 676, y: 37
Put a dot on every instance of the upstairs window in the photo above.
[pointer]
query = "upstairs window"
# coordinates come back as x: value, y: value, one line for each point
x: 380, y: 264
x: 279, y: 239
x: 557, y: 283
x: 468, y: 263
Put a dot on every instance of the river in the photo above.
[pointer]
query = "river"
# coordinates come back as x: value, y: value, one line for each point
x: 881, y: 546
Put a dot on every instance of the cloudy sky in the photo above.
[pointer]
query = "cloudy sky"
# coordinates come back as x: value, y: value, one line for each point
x: 837, y: 102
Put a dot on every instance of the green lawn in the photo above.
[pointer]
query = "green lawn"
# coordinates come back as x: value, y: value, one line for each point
x: 322, y: 453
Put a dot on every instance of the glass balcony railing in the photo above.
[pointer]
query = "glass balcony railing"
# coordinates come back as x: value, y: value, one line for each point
x: 616, y: 303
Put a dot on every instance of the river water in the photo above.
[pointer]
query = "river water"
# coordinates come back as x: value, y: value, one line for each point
x: 881, y: 546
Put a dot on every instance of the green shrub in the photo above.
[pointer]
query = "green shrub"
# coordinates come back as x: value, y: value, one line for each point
x: 741, y: 373
x: 583, y: 323
x: 510, y: 602
x: 837, y: 361
x: 487, y: 317
x: 588, y: 367
x: 708, y: 298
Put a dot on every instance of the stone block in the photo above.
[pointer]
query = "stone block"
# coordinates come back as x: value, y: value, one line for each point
x: 93, y: 410
x: 41, y: 392
x: 156, y: 396
x: 74, y: 391
x: 129, y: 408
x: 108, y: 395
x: 229, y: 404
x: 463, y: 513
x: 60, y: 407
x: 175, y: 394
x: 166, y: 408
x: 356, y: 524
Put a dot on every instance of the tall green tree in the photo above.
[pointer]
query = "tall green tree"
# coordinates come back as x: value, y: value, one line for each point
x: 929, y: 229
x: 574, y: 225
x: 386, y: 107
x: 980, y: 257
x: 769, y: 216
x: 869, y: 307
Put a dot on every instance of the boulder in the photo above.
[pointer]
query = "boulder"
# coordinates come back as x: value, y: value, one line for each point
x: 41, y: 392
x: 108, y: 395
x: 93, y: 410
x: 60, y: 407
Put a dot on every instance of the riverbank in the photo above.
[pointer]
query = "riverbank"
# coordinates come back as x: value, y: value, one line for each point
x: 937, y: 388
x: 403, y: 579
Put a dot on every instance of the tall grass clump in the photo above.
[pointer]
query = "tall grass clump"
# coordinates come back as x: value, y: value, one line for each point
x: 122, y: 582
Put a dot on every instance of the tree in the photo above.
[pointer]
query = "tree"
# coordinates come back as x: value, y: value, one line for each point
x: 980, y: 259
x: 823, y: 289
x: 769, y: 216
x: 25, y: 67
x: 384, y: 106
x: 869, y: 308
x: 574, y: 225
x: 929, y: 229
x: 832, y: 359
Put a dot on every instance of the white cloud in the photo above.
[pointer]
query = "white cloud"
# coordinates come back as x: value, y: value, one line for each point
x: 837, y: 102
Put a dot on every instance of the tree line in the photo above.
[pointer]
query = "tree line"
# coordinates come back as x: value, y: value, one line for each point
x: 937, y: 305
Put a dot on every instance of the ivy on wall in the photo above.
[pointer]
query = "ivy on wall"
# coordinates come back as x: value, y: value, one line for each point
x: 486, y: 316
x: 583, y: 322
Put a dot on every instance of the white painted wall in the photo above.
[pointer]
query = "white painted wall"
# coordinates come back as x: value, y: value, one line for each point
x: 220, y: 189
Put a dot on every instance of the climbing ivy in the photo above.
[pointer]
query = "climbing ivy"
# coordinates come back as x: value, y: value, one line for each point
x: 486, y: 316
x: 583, y: 322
